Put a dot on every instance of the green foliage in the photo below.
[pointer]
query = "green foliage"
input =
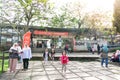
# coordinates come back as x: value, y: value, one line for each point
x: 5, y: 65
x: 43, y: 1
x: 32, y: 11
x: 25, y: 3
x: 4, y: 48
x: 114, y: 49
x: 116, y: 22
x: 74, y: 20
x: 5, y: 62
x: 6, y: 54
x: 58, y: 21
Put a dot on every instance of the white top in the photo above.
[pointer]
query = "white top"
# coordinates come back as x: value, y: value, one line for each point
x: 48, y: 44
x: 15, y: 48
x: 26, y: 53
x: 19, y: 49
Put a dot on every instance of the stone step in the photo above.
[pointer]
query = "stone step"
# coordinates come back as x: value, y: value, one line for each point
x: 41, y: 50
x: 72, y: 56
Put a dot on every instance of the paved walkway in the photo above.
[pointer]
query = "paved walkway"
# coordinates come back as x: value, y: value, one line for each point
x: 75, y: 71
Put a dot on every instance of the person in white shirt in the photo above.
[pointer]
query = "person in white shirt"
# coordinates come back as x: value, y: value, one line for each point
x: 26, y: 56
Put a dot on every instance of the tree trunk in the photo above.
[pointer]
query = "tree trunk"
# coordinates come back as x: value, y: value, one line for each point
x: 112, y: 39
x: 79, y: 25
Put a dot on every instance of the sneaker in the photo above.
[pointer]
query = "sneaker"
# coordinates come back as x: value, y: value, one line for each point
x: 106, y: 66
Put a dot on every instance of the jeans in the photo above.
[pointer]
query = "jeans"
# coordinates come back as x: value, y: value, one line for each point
x: 106, y: 61
x: 98, y: 52
x: 20, y: 58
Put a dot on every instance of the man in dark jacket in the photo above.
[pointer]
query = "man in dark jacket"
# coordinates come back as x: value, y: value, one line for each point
x: 98, y: 49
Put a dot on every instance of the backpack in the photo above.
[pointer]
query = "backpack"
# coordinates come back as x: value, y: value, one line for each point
x: 105, y: 49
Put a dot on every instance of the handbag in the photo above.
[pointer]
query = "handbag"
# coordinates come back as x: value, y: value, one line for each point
x: 101, y: 54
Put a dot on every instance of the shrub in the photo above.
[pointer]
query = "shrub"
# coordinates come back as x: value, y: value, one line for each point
x: 4, y: 48
x: 114, y: 49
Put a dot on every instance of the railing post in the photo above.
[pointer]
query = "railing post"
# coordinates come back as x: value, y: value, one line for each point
x: 3, y: 61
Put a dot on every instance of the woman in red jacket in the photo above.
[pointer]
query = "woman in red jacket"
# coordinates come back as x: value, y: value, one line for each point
x: 64, y: 60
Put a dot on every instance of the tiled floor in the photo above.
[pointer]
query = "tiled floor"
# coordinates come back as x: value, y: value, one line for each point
x: 75, y: 71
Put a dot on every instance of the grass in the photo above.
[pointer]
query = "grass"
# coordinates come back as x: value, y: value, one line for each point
x: 5, y: 65
x: 6, y: 54
x: 5, y: 62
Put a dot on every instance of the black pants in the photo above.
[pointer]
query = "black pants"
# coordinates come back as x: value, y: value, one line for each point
x: 98, y: 52
x: 25, y: 63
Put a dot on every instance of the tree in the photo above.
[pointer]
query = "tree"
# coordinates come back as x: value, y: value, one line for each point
x: 32, y: 9
x: 62, y: 19
x: 22, y: 12
x: 69, y: 15
x: 10, y: 15
x: 93, y: 24
x: 77, y: 13
x: 97, y: 22
x: 116, y: 21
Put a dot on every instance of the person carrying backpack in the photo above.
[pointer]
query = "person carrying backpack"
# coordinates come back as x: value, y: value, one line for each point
x: 104, y: 56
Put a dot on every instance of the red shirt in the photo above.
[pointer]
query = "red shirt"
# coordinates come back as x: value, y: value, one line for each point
x: 64, y: 59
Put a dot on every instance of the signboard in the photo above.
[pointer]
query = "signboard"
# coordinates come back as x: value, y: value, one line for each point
x: 50, y: 33
x: 83, y: 45
x: 80, y: 45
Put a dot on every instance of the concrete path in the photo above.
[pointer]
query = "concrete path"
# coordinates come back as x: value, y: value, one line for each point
x: 76, y: 70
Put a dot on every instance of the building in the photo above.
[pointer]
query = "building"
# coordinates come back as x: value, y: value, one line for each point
x: 8, y: 35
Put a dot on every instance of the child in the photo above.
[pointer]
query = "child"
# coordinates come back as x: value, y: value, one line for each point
x: 52, y: 53
x: 46, y: 55
x: 64, y: 60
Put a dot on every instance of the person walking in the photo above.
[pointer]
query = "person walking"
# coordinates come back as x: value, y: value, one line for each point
x: 93, y: 49
x: 26, y: 56
x: 104, y: 56
x: 64, y: 60
x: 13, y: 57
x: 98, y: 49
x: 52, y: 53
x: 46, y: 56
x: 66, y: 48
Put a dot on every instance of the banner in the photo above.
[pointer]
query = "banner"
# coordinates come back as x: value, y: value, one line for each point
x: 26, y: 38
x: 49, y: 33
